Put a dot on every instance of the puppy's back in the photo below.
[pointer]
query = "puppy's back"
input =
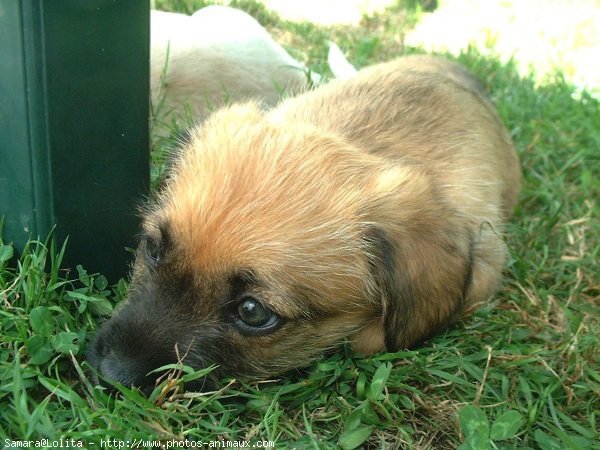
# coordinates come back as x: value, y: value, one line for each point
x: 421, y: 110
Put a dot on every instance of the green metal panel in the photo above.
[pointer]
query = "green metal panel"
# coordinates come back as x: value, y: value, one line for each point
x: 74, y: 145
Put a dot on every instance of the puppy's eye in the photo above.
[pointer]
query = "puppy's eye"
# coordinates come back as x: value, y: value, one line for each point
x: 152, y: 249
x: 252, y: 313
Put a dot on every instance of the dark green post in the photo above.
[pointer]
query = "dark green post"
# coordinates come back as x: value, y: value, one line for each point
x: 74, y: 145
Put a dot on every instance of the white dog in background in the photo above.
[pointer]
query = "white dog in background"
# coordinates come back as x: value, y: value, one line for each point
x: 222, y: 54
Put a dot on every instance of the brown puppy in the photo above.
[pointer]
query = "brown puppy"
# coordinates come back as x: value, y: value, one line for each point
x: 370, y: 209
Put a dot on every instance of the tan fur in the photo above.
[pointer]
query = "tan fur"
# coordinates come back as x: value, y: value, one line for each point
x: 371, y: 209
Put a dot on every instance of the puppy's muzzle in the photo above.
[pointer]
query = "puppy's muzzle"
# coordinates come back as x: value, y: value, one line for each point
x: 117, y: 368
x: 130, y: 346
x: 129, y: 365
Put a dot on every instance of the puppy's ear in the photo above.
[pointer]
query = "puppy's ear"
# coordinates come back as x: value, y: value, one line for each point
x: 421, y: 286
x: 421, y: 260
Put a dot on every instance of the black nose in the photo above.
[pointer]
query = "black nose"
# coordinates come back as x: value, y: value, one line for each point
x: 122, y: 370
x: 114, y: 367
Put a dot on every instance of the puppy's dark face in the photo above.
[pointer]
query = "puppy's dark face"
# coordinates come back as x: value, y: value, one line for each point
x: 243, y: 264
x: 238, y: 317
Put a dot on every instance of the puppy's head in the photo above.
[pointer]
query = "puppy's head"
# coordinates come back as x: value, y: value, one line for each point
x: 263, y: 250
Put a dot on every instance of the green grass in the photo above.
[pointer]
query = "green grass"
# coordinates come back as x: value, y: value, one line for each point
x: 522, y: 372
